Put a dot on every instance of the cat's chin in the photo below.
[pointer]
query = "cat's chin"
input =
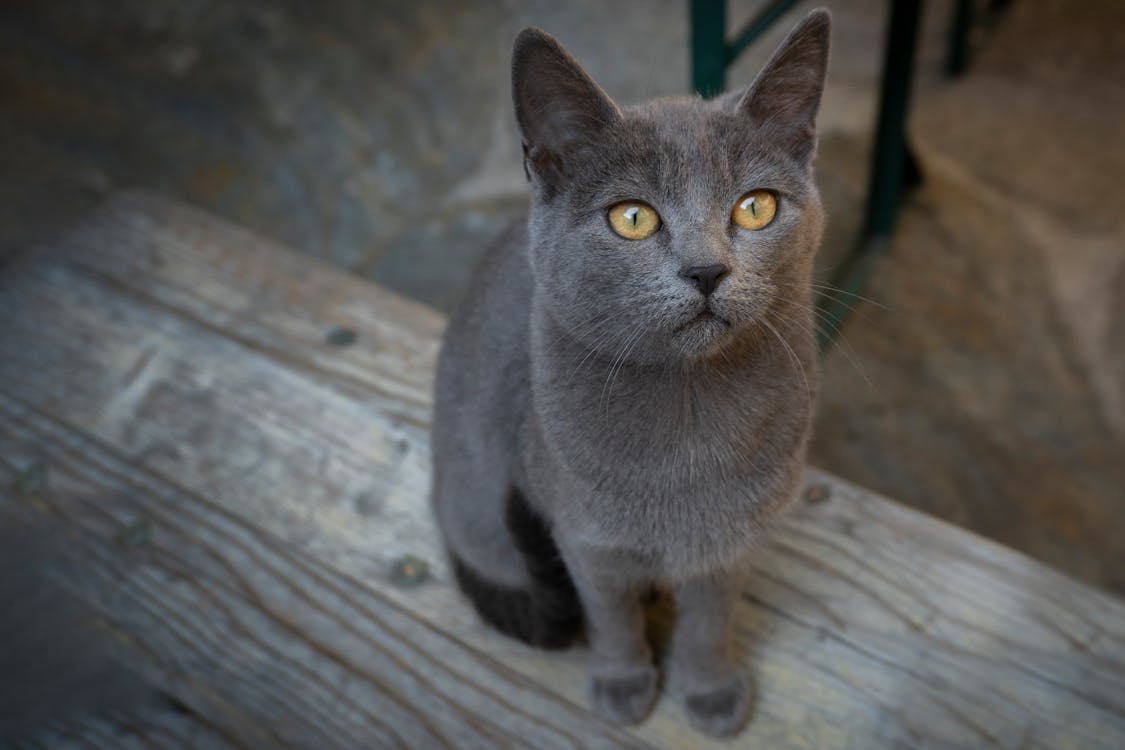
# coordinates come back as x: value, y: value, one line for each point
x: 703, y: 335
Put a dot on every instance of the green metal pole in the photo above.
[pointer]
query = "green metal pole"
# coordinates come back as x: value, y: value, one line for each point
x: 885, y: 186
x: 887, y: 165
x: 757, y: 26
x: 958, y: 56
x: 708, y: 46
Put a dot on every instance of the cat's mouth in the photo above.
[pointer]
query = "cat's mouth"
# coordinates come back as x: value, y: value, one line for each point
x: 701, y: 332
x: 706, y: 316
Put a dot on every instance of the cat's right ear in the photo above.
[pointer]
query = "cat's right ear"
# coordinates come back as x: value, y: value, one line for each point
x: 785, y: 96
x: 559, y: 107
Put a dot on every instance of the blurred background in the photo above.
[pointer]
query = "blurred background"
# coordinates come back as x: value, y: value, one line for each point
x: 983, y: 381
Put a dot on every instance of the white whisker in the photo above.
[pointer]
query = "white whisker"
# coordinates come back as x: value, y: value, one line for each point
x: 620, y: 357
x: 793, y: 357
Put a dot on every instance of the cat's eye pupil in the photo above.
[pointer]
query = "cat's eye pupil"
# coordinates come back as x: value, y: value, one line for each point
x: 755, y: 210
x: 633, y: 220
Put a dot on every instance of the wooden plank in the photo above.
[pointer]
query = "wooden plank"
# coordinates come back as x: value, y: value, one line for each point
x: 267, y: 298
x: 196, y: 356
x: 165, y: 729
x: 263, y: 641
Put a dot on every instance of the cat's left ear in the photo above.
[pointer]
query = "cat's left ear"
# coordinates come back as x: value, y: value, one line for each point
x: 784, y: 98
x: 559, y: 107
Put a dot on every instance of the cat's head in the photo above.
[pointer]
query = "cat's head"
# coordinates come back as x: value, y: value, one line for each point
x: 674, y: 225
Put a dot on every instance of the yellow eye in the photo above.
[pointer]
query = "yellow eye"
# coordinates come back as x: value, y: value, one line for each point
x: 755, y: 210
x: 634, y: 220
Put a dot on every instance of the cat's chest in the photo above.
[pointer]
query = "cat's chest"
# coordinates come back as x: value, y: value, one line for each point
x: 655, y: 439
x: 686, y: 521
x: 689, y: 489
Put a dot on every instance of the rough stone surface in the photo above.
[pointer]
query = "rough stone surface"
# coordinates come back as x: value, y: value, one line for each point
x: 377, y: 135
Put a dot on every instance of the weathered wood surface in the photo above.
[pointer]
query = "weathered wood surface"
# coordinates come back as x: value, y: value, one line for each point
x: 174, y: 374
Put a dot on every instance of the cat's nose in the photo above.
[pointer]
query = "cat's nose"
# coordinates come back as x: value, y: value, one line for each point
x: 706, y: 278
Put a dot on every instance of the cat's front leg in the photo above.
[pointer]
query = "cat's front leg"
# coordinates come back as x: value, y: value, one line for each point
x: 715, y: 689
x: 622, y: 679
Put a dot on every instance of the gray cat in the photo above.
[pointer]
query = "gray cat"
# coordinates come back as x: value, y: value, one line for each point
x: 625, y: 395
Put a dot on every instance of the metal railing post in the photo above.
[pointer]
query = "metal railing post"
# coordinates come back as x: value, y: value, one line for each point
x: 708, y: 46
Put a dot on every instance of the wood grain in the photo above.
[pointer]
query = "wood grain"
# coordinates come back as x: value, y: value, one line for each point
x: 257, y: 638
x: 171, y: 368
x: 165, y: 729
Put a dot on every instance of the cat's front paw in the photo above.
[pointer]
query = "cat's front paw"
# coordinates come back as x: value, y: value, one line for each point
x: 624, y: 698
x: 720, y: 711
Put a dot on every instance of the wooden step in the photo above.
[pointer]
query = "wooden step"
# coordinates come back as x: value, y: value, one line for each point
x: 232, y: 441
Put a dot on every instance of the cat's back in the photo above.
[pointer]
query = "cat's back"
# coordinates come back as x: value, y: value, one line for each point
x: 480, y: 399
x: 482, y: 369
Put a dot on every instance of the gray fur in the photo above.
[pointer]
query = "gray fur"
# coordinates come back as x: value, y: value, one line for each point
x: 655, y: 445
